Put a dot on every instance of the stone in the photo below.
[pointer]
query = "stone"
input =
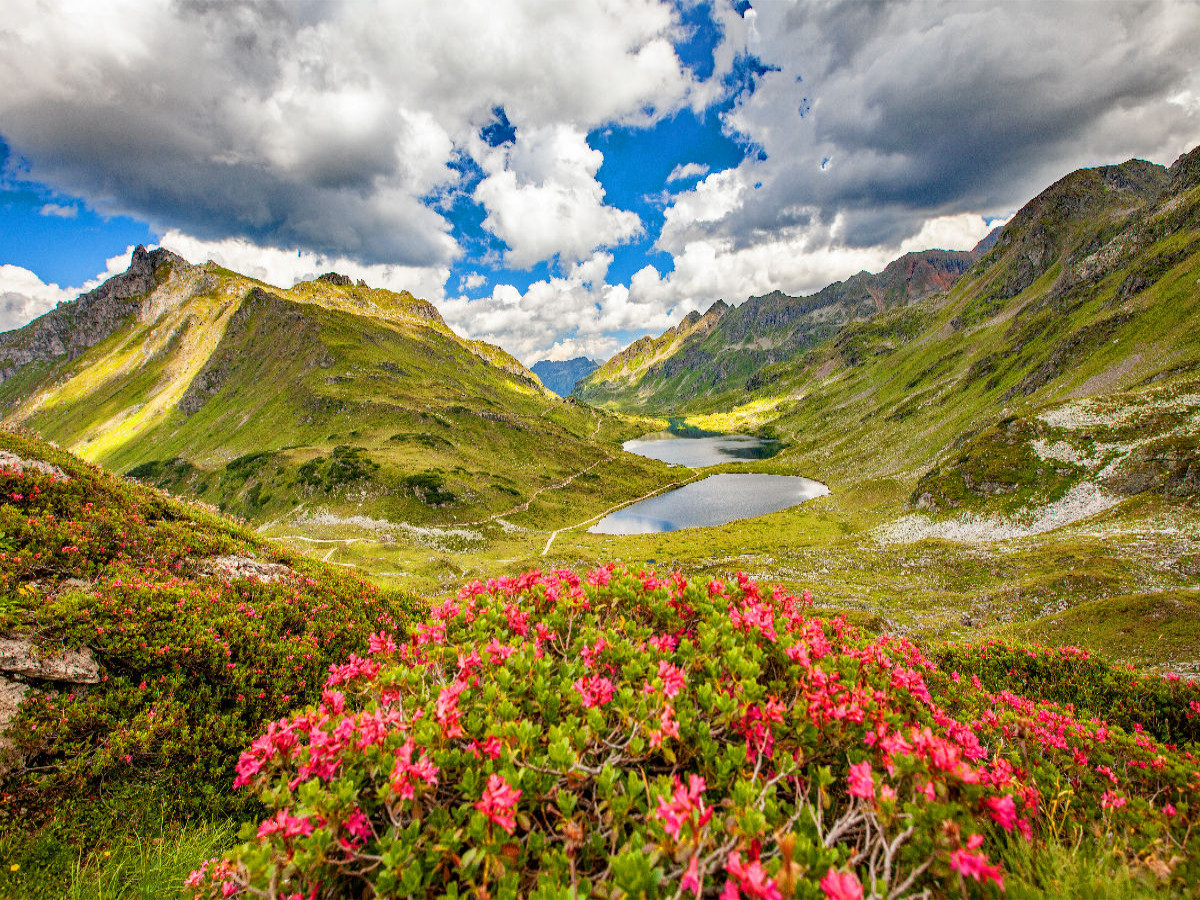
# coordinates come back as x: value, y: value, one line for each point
x: 21, y: 656
x: 231, y: 568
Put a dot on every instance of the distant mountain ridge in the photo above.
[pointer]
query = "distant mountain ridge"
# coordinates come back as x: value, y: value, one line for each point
x: 561, y: 376
x: 727, y: 345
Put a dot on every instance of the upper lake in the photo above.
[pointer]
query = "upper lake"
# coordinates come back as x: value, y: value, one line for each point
x: 707, y: 450
x: 714, y: 500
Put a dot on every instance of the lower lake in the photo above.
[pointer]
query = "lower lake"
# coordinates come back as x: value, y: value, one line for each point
x: 714, y: 500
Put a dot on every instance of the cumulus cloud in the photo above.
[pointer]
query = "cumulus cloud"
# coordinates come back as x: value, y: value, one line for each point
x: 324, y: 126
x: 688, y: 170
x: 903, y: 126
x: 24, y: 296
x: 566, y: 316
x: 544, y: 201
x: 921, y: 110
x: 284, y: 268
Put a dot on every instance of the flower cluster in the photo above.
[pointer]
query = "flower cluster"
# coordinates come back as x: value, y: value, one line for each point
x: 627, y: 733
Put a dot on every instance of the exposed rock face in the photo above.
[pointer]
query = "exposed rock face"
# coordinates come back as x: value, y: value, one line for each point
x: 20, y: 656
x: 335, y: 278
x: 12, y: 461
x: 231, y: 568
x: 25, y: 665
x: 82, y: 323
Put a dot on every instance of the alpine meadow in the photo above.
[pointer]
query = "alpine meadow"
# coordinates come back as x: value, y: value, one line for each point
x: 646, y: 449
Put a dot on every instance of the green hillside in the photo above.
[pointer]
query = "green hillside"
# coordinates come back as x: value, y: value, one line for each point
x: 331, y: 410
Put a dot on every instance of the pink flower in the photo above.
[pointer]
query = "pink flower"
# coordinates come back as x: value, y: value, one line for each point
x: 752, y: 878
x: 972, y: 864
x: 1170, y: 810
x: 691, y: 878
x: 283, y: 821
x: 447, y: 712
x: 672, y: 677
x: 380, y: 643
x: 862, y: 784
x: 1002, y: 810
x: 498, y: 801
x: 594, y: 690
x: 841, y: 885
x: 683, y: 802
x: 405, y: 773
x: 498, y: 652
x: 668, y: 727
x: 1112, y: 800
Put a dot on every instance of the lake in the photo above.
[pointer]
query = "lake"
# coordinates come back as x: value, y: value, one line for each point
x: 714, y: 500
x: 707, y: 450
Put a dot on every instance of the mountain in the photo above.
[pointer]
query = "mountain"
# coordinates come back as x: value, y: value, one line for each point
x: 562, y: 376
x: 1066, y: 359
x: 331, y: 396
x: 719, y: 352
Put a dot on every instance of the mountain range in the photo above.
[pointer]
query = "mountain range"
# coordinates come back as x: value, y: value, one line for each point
x: 1040, y: 380
x: 561, y: 376
x: 729, y: 345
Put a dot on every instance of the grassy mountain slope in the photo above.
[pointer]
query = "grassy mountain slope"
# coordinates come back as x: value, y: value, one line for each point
x: 329, y: 400
x: 721, y: 352
x: 206, y: 637
x: 198, y: 633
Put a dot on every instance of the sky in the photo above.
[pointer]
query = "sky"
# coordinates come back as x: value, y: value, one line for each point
x: 560, y: 177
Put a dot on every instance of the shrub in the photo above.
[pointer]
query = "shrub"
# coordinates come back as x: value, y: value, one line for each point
x: 631, y: 735
x: 193, y: 659
x: 1087, y: 684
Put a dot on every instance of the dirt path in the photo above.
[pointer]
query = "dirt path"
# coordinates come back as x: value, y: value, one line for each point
x: 522, y: 507
x: 620, y: 505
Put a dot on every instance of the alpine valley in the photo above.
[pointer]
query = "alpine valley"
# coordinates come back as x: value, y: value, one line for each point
x: 243, y: 484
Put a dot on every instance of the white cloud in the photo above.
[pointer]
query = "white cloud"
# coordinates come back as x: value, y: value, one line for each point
x: 59, y: 211
x: 687, y: 170
x: 284, y: 268
x: 472, y: 281
x: 544, y: 201
x: 567, y: 316
x: 24, y: 296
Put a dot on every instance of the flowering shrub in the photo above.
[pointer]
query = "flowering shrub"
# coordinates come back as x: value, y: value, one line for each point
x: 627, y: 733
x: 1161, y: 706
x: 191, y: 664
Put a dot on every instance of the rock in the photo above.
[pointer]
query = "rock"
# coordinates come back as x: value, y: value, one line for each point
x: 12, y: 461
x: 22, y: 661
x: 335, y: 278
x: 231, y: 568
x: 12, y: 694
x: 21, y: 656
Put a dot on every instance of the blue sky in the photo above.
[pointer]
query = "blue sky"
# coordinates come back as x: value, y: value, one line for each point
x: 560, y: 180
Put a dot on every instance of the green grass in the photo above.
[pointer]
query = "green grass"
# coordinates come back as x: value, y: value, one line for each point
x: 132, y: 845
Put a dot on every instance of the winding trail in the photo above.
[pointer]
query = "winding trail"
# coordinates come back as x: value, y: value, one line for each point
x: 522, y: 507
x: 621, y: 505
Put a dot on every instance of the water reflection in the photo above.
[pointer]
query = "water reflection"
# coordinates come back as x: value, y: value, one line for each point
x: 709, y: 450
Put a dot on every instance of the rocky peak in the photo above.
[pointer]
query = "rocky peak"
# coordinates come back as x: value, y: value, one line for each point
x: 336, y: 279
x: 73, y: 327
